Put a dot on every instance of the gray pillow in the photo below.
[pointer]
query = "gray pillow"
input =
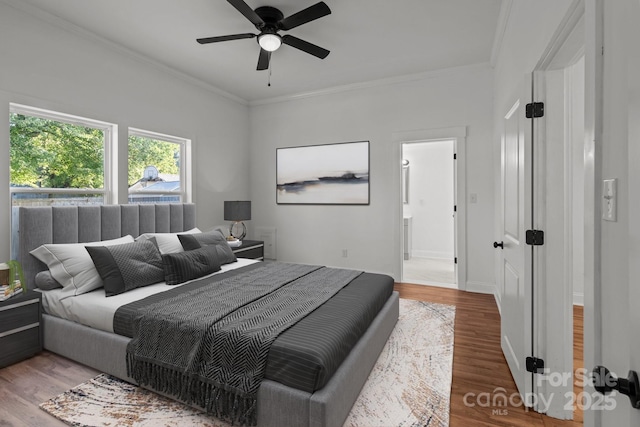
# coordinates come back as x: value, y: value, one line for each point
x: 129, y: 266
x: 210, y: 238
x: 180, y: 267
x: 46, y: 282
x: 71, y: 265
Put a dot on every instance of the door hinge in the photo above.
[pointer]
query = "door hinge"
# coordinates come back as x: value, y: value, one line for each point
x: 534, y: 237
x: 455, y: 260
x: 534, y: 110
x: 455, y: 208
x: 535, y: 365
x: 455, y: 156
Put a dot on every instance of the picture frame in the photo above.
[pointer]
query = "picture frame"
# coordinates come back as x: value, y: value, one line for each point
x: 326, y: 174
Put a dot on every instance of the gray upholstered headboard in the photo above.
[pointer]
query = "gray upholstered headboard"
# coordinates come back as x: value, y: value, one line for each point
x: 77, y: 224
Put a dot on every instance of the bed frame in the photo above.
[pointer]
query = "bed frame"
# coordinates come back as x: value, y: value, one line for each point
x: 278, y: 405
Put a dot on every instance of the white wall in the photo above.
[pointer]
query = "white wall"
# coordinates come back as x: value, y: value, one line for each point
x: 46, y: 66
x: 371, y: 234
x: 431, y: 198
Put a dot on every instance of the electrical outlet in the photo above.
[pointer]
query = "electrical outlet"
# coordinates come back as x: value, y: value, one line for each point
x: 345, y: 253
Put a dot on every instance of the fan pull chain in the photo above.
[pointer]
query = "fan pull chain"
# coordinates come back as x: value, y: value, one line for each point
x: 269, y: 80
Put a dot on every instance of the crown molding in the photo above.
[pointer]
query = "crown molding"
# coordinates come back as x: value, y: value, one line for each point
x: 370, y: 84
x: 140, y: 57
x: 501, y: 29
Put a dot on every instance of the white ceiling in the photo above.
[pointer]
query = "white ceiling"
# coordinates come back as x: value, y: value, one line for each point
x: 369, y: 40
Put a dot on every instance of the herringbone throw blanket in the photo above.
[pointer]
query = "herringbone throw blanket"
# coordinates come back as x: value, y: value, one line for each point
x: 209, y: 346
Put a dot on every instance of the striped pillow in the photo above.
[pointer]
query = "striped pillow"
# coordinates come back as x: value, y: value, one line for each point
x: 180, y: 267
x: 128, y: 266
x: 210, y: 238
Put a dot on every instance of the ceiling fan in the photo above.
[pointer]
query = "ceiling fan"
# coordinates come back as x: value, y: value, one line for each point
x: 269, y: 20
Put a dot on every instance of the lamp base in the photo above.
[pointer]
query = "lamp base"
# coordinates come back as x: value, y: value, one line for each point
x: 238, y: 230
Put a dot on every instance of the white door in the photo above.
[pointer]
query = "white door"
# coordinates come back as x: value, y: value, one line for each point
x: 515, y: 270
x: 619, y: 288
x: 455, y: 214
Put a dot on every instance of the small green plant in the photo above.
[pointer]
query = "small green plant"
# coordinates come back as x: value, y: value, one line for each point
x: 15, y: 269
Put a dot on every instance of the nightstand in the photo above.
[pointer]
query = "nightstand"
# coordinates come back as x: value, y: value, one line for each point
x: 20, y: 327
x: 252, y: 249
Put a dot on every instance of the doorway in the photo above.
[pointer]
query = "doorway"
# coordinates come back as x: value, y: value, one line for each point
x: 428, y: 201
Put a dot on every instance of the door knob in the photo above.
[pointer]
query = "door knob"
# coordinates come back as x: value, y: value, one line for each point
x: 604, y: 383
x: 498, y: 245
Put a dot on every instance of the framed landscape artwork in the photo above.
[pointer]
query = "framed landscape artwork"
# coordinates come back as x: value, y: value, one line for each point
x: 329, y: 174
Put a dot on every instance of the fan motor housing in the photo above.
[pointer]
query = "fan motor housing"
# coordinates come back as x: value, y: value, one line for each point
x: 270, y: 15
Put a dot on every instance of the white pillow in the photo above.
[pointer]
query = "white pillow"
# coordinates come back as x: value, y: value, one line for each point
x: 71, y: 265
x: 168, y: 243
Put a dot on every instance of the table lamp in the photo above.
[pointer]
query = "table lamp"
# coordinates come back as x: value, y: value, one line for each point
x: 237, y: 211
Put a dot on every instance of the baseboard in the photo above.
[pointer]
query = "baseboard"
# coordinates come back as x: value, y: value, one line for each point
x: 481, y: 288
x: 578, y: 298
x: 431, y: 283
x: 485, y: 288
x: 431, y: 254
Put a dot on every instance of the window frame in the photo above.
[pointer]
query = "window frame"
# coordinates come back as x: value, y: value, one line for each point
x: 110, y: 131
x: 185, y: 191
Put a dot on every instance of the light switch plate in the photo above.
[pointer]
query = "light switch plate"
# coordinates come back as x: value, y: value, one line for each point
x: 610, y: 200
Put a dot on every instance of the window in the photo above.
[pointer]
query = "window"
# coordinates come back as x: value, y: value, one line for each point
x: 157, y: 170
x: 58, y: 159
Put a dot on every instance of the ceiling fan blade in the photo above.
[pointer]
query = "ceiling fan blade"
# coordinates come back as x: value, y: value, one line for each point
x: 311, y: 13
x: 263, y: 60
x: 305, y: 46
x: 225, y: 38
x: 248, y: 13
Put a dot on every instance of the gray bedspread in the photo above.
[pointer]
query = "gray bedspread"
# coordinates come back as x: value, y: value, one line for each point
x: 208, y: 345
x: 307, y: 354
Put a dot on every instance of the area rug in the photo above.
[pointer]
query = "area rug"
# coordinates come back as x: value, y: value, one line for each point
x: 410, y: 385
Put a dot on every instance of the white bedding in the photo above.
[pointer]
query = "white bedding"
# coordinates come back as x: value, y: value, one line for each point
x: 94, y: 309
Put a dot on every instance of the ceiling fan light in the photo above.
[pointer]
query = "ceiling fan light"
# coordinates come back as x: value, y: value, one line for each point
x: 269, y: 42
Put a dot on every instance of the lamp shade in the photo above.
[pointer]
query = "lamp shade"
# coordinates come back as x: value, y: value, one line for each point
x: 237, y: 210
x: 269, y: 42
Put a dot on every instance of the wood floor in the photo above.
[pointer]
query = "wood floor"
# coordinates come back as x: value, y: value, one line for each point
x: 478, y: 367
x: 478, y: 363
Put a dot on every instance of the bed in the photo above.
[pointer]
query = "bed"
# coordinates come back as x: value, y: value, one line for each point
x: 279, y: 404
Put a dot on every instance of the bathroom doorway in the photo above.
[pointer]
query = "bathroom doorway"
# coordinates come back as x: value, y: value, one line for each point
x: 428, y: 205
